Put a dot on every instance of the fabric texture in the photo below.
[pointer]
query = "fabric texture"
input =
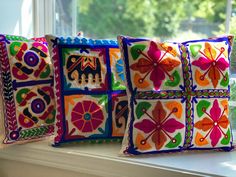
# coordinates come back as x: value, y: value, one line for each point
x: 91, y: 95
x: 27, y: 97
x: 178, y: 95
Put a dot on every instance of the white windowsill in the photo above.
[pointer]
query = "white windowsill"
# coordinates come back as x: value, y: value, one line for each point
x: 102, y: 160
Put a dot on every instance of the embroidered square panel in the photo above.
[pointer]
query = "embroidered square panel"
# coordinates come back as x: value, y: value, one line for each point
x: 26, y: 89
x: 91, y: 95
x: 178, y: 95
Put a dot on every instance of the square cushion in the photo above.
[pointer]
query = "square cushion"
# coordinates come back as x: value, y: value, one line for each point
x: 27, y: 98
x: 91, y: 95
x: 178, y: 95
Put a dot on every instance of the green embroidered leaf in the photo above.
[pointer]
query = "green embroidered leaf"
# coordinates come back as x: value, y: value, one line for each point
x: 225, y: 80
x: 16, y: 38
x: 66, y: 52
x: 184, y: 54
x: 226, y: 140
x: 104, y: 131
x: 195, y: 49
x: 101, y: 130
x: 20, y: 95
x: 134, y: 50
x: 202, y: 104
x: 35, y: 132
x: 46, y: 73
x: 175, y: 141
x: 141, y: 107
x: 103, y: 101
x: 116, y: 85
x: 175, y: 81
x: 106, y: 106
x: 49, y: 121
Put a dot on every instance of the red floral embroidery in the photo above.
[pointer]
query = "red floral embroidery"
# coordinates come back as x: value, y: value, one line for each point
x: 87, y: 116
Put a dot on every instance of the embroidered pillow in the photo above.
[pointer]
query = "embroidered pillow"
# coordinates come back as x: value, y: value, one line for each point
x: 178, y: 95
x: 89, y: 83
x: 27, y: 92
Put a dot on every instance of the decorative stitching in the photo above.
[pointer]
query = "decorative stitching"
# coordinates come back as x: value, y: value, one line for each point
x: 82, y: 45
x: 187, y: 93
x: 13, y: 132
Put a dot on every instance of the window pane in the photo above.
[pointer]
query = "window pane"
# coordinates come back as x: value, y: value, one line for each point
x: 164, y: 19
x: 232, y: 112
x: 64, y: 17
x: 233, y: 31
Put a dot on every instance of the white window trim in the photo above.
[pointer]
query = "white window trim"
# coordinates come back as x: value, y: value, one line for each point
x: 103, y: 160
x: 74, y: 18
x: 228, y: 15
x: 43, y: 17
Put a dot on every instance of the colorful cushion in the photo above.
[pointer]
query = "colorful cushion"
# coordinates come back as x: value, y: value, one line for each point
x: 27, y: 92
x: 178, y: 95
x: 89, y: 84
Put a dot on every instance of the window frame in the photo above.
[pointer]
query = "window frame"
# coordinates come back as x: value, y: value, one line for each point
x: 43, y: 17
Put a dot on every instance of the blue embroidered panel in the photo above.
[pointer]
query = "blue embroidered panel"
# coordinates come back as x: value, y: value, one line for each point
x: 91, y: 94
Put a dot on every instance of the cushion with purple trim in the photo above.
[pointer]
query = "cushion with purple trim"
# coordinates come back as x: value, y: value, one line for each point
x: 178, y: 95
x: 91, y: 95
x: 27, y: 94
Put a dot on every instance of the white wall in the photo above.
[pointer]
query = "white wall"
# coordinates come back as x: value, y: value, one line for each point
x: 16, y: 17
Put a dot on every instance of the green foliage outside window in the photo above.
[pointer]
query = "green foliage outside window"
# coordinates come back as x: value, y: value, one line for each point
x: 232, y: 107
x: 164, y: 19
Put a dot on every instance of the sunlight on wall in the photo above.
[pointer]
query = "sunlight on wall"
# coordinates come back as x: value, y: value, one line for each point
x: 27, y: 18
x: 16, y: 17
x: 16, y: 29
